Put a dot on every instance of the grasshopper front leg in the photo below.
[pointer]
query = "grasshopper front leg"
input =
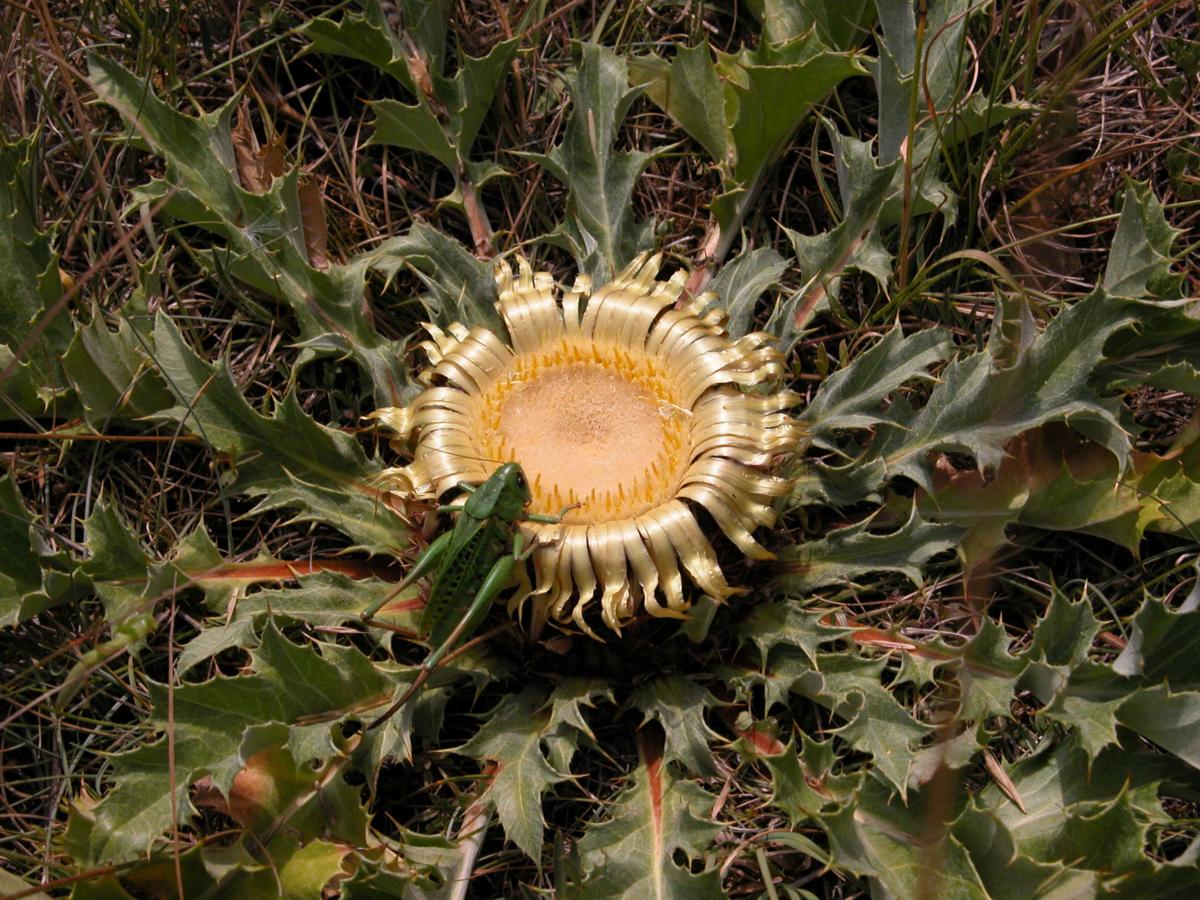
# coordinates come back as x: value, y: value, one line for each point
x: 426, y: 563
x: 495, y: 581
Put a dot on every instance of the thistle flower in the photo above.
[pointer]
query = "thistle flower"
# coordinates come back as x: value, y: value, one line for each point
x: 622, y: 407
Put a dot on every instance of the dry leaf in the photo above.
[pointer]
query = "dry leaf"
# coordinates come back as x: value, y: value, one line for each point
x: 256, y: 165
x: 1002, y: 780
x: 312, y: 215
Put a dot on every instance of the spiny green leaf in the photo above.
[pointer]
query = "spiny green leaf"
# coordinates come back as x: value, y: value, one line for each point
x: 631, y: 854
x: 1064, y: 635
x: 460, y: 288
x: 512, y: 736
x: 852, y: 245
x: 950, y: 753
x: 201, y: 559
x: 30, y: 286
x: 678, y: 705
x: 289, y: 682
x: 853, y: 551
x: 1139, y: 262
x: 468, y: 95
x: 1119, y: 507
x: 392, y: 742
x: 118, y: 565
x: 1009, y: 875
x: 988, y: 674
x: 917, y: 669
x: 1173, y: 503
x: 744, y: 108
x: 977, y: 408
x: 198, y: 150
x: 601, y: 228
x: 264, y: 234
x: 841, y: 25
x: 1171, y: 720
x: 769, y: 93
x: 1090, y: 699
x: 1061, y: 792
x: 791, y: 791
x: 370, y: 37
x: 876, y: 723
x: 422, y: 23
x: 817, y: 482
x: 1094, y: 699
x: 363, y: 37
x: 787, y: 671
x: 567, y: 702
x: 114, y: 550
x: 1088, y: 704
x: 742, y: 281
x: 852, y: 397
x: 415, y: 127
x: 879, y: 838
x: 465, y: 100
x: 273, y: 789
x: 113, y: 374
x: 1061, y: 640
x: 1162, y: 352
x: 1082, y: 830
x: 1154, y: 879
x: 689, y: 90
x: 427, y: 864
x: 988, y: 504
x: 407, y: 40
x: 22, y: 594
x: 769, y: 625
x: 1170, y: 374
x: 801, y: 781
x: 239, y: 633
x: 324, y: 599
x: 286, y: 459
x: 1161, y: 647
x: 298, y: 871
x: 336, y: 495
x: 1051, y: 478
x: 327, y: 599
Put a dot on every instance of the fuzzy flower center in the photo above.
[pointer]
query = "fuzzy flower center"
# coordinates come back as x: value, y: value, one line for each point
x: 591, y: 424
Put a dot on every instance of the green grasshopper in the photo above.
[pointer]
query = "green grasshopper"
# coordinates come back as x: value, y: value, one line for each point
x: 473, y: 563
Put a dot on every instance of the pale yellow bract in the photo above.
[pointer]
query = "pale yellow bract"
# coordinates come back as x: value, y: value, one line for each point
x: 619, y: 404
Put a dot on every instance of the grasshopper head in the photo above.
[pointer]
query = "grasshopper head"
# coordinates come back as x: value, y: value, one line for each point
x: 505, y: 494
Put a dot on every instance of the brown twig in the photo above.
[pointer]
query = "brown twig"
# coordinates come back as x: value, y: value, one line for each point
x: 475, y: 827
x: 477, y: 220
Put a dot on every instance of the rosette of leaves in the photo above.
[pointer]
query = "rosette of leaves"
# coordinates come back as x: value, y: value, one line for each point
x: 1045, y: 753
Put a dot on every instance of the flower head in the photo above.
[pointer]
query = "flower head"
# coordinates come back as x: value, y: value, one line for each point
x: 623, y: 406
